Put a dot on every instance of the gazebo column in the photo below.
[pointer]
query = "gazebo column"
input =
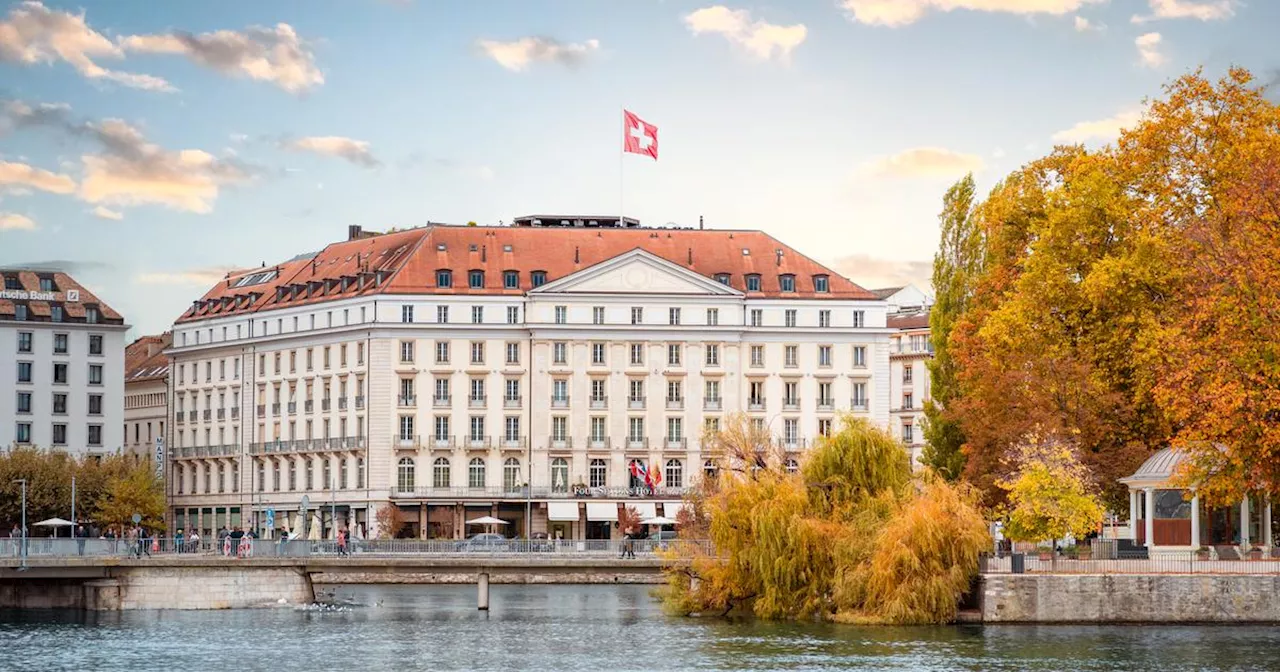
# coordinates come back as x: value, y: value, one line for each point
x: 1244, y: 522
x: 1147, y: 517
x: 1195, y: 520
x: 1133, y: 515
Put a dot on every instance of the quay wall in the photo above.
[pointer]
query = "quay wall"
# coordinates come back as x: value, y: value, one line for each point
x: 1130, y: 598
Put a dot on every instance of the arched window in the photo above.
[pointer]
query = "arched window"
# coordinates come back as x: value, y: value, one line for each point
x: 599, y: 474
x: 559, y: 475
x: 404, y: 475
x: 635, y: 474
x: 792, y: 466
x: 511, y: 475
x: 475, y: 473
x: 440, y: 476
x: 674, y: 474
x: 722, y: 278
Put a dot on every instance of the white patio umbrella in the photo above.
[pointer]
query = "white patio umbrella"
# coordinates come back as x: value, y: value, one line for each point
x: 55, y: 523
x: 314, y: 533
x: 486, y: 520
x: 659, y: 520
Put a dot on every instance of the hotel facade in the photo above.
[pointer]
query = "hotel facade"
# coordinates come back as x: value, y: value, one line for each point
x: 518, y: 372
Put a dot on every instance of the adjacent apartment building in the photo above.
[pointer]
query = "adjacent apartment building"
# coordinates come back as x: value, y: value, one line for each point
x: 146, y: 396
x: 534, y: 372
x: 62, y: 364
x: 909, y: 351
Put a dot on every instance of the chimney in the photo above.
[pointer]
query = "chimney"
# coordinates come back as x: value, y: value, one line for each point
x: 575, y: 254
x: 691, y: 256
x: 484, y: 253
x: 699, y: 222
x: 354, y: 232
x: 779, y: 253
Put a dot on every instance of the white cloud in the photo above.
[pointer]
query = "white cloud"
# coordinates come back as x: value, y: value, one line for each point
x: 1149, y: 49
x: 203, y: 277
x: 1084, y: 25
x: 17, y: 176
x: 355, y: 151
x: 924, y: 162
x: 35, y: 34
x: 107, y: 213
x: 517, y: 55
x: 1211, y: 10
x: 869, y: 271
x: 276, y: 55
x: 903, y: 12
x: 1101, y: 129
x: 761, y: 39
x: 12, y: 221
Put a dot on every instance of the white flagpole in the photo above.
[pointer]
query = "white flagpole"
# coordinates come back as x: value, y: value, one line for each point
x: 622, y: 153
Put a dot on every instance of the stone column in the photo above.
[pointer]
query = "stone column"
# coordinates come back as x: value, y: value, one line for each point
x: 1244, y: 522
x: 1195, y: 520
x: 1266, y: 524
x: 1148, y: 517
x: 1133, y: 515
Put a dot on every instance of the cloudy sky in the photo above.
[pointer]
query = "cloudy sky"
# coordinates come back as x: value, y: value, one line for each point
x: 148, y: 147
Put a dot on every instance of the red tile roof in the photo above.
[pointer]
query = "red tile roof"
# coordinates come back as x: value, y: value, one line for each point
x: 72, y: 311
x: 406, y: 262
x: 144, y: 359
x: 913, y: 320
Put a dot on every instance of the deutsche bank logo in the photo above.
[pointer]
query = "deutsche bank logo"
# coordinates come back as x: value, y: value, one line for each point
x: 73, y: 295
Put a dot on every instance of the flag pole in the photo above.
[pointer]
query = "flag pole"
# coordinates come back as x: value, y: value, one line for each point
x: 622, y: 153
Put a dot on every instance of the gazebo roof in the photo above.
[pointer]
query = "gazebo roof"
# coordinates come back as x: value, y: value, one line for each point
x: 1158, y: 468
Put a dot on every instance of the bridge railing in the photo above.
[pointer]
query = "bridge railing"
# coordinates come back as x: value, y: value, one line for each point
x: 121, y: 548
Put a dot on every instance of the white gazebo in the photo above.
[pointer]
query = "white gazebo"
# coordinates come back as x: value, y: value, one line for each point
x: 1163, y: 518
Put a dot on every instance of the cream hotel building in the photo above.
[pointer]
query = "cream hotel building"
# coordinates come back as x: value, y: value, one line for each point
x: 518, y: 371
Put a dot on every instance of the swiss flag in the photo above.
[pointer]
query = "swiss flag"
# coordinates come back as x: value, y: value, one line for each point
x: 639, y: 136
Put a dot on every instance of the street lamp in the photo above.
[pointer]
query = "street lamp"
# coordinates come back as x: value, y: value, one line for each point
x: 23, y: 481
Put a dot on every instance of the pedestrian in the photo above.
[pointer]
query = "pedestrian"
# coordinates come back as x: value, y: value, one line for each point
x: 15, y: 537
x: 193, y: 543
x: 233, y: 542
x: 81, y: 534
x: 629, y: 545
x: 177, y: 541
x: 132, y: 543
x: 144, y: 542
x: 223, y: 533
x: 284, y: 539
x: 342, y: 541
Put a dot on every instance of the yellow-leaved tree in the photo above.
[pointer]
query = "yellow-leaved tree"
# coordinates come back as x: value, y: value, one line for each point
x: 851, y: 535
x: 136, y: 490
x: 1049, y: 493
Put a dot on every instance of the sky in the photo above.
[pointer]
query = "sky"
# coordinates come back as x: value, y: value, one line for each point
x: 147, y: 148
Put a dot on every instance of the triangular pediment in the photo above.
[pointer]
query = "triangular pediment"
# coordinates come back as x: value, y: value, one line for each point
x: 636, y: 272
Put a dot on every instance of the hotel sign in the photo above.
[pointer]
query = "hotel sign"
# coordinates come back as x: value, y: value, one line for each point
x: 71, y: 296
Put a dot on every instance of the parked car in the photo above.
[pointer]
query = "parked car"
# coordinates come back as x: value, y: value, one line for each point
x: 541, y: 542
x: 485, y: 542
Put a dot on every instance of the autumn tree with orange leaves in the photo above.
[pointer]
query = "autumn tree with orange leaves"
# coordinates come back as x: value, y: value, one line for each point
x: 1129, y: 297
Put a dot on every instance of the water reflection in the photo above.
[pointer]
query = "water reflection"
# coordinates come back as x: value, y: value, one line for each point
x: 609, y: 628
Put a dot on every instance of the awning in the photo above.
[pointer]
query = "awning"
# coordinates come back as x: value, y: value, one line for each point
x: 602, y: 511
x: 672, y: 509
x: 478, y: 504
x: 562, y: 511
x: 645, y: 509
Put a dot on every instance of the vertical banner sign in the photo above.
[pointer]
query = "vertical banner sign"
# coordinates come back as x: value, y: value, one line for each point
x: 160, y: 457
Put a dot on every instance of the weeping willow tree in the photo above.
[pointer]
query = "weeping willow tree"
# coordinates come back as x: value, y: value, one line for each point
x: 851, y: 536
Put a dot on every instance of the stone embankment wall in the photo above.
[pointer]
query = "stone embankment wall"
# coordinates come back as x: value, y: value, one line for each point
x: 1130, y: 598
x: 531, y: 577
x: 143, y: 587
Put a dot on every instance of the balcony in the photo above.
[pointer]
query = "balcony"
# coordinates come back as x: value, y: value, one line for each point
x: 207, y: 415
x: 512, y: 402
x: 514, y: 442
x: 858, y: 404
x: 675, y: 443
x: 598, y: 443
x: 180, y: 417
x: 712, y: 404
x: 275, y: 409
x: 477, y: 442
x: 559, y: 402
x: 403, y: 441
x: 635, y: 402
x: 442, y: 442
x: 675, y: 404
x: 325, y: 405
x: 308, y: 406
x: 826, y: 405
x: 191, y: 416
x: 407, y: 400
x: 359, y: 403
x: 262, y: 410
x: 476, y: 401
x: 440, y: 401
x: 791, y: 443
x: 342, y: 403
x: 600, y: 402
x: 222, y: 414
x: 637, y: 443
x: 756, y: 404
x: 235, y: 412
x: 791, y: 404
x: 292, y: 408
x: 562, y: 443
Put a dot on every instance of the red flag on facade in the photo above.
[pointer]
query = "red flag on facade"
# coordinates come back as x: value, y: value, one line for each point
x: 639, y: 136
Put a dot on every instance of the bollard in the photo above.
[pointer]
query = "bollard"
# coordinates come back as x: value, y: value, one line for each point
x: 483, y: 594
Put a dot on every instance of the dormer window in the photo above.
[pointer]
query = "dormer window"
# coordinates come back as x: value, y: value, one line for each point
x: 722, y: 278
x: 539, y: 278
x: 753, y: 282
x: 12, y: 282
x: 821, y: 284
x: 46, y: 285
x: 475, y: 279
x: 511, y: 279
x: 444, y: 278
x: 787, y: 283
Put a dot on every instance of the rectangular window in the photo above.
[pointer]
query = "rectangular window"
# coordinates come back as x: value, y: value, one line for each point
x: 477, y: 352
x: 475, y: 279
x: 24, y: 372
x: 444, y: 278
x: 635, y: 430
x: 597, y: 429
x: 95, y: 404
x: 406, y: 428
x: 477, y: 390
x: 60, y: 373
x: 597, y: 353
x: 406, y: 351
x: 637, y: 316
x: 95, y: 435
x: 711, y: 390
x: 560, y: 390
x: 512, y: 392
x: 673, y: 354
x: 790, y: 318
x: 753, y: 283
x: 636, y: 390
x: 824, y: 318
x: 824, y: 394
x: 59, y: 344
x: 20, y: 314
x: 477, y: 428
x: 824, y: 356
x: 24, y: 402
x: 538, y: 278
x: 24, y: 341
x: 821, y: 284
x: 907, y: 401
x: 442, y: 314
x: 787, y: 283
x: 442, y: 428
x: 673, y: 316
x: 859, y: 396
x: 859, y: 319
x: 860, y: 356
x: 60, y: 403
x: 513, y: 314
x: 55, y: 315
x: 561, y: 314
x: 23, y: 434
x: 558, y: 352
x: 675, y: 391
x: 757, y: 355
x: 713, y: 355
x: 637, y: 354
x: 713, y: 316
x: 513, y: 353
x: 597, y: 315
x: 59, y: 435
x: 477, y: 314
x: 757, y: 317
x: 907, y: 373
x: 559, y: 428
x: 675, y: 430
x: 791, y: 356
x: 907, y: 436
x: 511, y: 280
x: 442, y: 352
x: 511, y: 428
x: 406, y: 313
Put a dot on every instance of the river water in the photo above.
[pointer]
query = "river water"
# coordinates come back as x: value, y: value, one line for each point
x: 598, y: 628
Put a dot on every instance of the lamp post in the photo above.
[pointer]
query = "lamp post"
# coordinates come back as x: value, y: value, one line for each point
x: 23, y: 481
